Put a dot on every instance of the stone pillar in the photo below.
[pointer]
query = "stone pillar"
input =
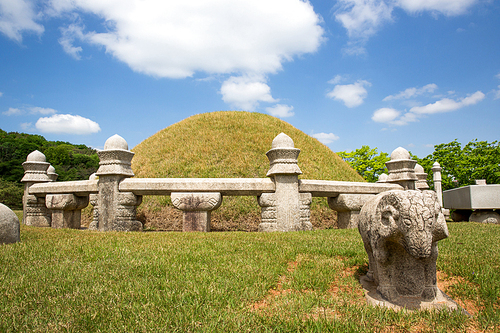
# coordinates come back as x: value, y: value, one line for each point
x: 93, y: 198
x: 422, y: 178
x: 66, y: 209
x: 436, y: 172
x: 35, y: 171
x: 51, y: 173
x: 196, y: 209
x: 348, y: 207
x: 286, y: 209
x: 402, y: 169
x: 117, y: 210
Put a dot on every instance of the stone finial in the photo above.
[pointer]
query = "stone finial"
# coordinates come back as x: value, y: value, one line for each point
x: 436, y: 176
x: 9, y: 226
x: 383, y: 178
x: 283, y: 156
x: 402, y: 169
x: 35, y: 168
x: 422, y: 178
x: 115, y: 159
x: 400, y: 231
x: 51, y: 173
x: 480, y: 182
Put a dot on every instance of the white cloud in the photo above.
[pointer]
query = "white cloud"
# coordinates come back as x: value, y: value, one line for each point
x: 325, y: 138
x: 497, y: 76
x: 280, y: 110
x: 446, y: 104
x: 13, y: 112
x: 245, y: 92
x: 497, y: 93
x: 385, y: 115
x: 351, y: 94
x: 176, y: 39
x: 26, y: 126
x: 1, y: 94
x: 363, y: 18
x: 67, y: 124
x: 413, y: 92
x: 69, y: 34
x: 16, y: 17
x: 42, y: 111
x: 394, y: 117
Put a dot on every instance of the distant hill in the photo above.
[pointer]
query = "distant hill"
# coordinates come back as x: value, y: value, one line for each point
x: 230, y: 144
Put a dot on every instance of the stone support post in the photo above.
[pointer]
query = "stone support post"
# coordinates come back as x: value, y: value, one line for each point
x: 348, y: 207
x: 35, y: 171
x: 196, y: 209
x: 286, y: 209
x: 117, y: 210
x: 66, y: 209
x: 402, y: 169
x: 93, y: 198
x: 436, y: 173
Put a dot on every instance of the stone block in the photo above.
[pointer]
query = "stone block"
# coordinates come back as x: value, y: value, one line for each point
x: 400, y: 231
x: 485, y: 216
x: 196, y: 208
x: 473, y: 197
x: 348, y: 207
x: 66, y: 209
x: 9, y: 226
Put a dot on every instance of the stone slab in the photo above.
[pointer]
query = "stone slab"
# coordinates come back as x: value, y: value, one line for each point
x: 441, y: 302
x: 472, y: 197
x: 332, y: 188
x: 79, y: 187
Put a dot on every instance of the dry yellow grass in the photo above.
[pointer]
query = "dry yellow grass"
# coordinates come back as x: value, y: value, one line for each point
x: 231, y: 144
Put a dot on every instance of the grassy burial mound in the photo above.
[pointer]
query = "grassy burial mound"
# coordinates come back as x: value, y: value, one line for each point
x: 229, y: 145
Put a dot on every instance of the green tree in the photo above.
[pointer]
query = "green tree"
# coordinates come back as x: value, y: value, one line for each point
x: 367, y: 162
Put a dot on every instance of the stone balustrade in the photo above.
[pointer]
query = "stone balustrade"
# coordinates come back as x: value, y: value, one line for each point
x: 115, y: 194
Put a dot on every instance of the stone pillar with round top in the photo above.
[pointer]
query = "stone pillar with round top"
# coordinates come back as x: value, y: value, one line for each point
x: 422, y: 178
x: 117, y: 210
x: 402, y: 169
x: 286, y: 209
x: 35, y: 171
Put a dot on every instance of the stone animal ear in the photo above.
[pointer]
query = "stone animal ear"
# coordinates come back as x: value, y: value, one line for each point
x: 389, y: 209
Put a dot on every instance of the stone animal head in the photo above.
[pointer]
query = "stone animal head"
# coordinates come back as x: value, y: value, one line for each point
x: 411, y: 218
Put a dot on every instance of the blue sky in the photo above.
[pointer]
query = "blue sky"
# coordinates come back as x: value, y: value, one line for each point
x: 410, y: 73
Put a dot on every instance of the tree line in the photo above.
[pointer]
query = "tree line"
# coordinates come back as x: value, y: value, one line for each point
x: 71, y: 162
x: 461, y: 166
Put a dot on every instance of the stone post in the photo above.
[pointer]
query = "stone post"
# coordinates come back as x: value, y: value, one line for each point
x: 348, y: 207
x: 117, y: 210
x: 35, y: 171
x: 402, y: 169
x: 286, y: 209
x: 51, y: 173
x: 66, y: 209
x: 196, y: 209
x: 422, y: 178
x: 436, y: 173
x: 95, y: 207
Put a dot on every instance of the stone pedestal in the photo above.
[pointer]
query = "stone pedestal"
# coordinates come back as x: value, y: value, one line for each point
x: 35, y: 171
x: 117, y: 210
x: 422, y: 178
x: 196, y: 209
x: 348, y: 207
x: 286, y: 209
x: 66, y: 210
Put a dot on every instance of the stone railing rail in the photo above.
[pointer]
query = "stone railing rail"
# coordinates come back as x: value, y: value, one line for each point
x: 284, y: 199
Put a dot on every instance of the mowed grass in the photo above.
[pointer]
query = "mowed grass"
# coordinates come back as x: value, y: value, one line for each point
x: 58, y: 280
x: 230, y: 144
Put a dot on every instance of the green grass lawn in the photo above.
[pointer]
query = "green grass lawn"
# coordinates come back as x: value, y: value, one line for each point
x: 85, y: 281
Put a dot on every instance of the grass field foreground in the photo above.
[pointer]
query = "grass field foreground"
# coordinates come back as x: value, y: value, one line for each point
x: 62, y: 280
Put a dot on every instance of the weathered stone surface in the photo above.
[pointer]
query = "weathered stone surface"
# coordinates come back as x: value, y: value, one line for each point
x: 400, y: 231
x: 196, y: 209
x: 422, y: 178
x: 35, y: 171
x: 66, y: 209
x: 485, y: 216
x: 117, y: 210
x: 9, y: 226
x: 51, y: 173
x: 402, y: 169
x: 348, y: 207
x: 473, y: 197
